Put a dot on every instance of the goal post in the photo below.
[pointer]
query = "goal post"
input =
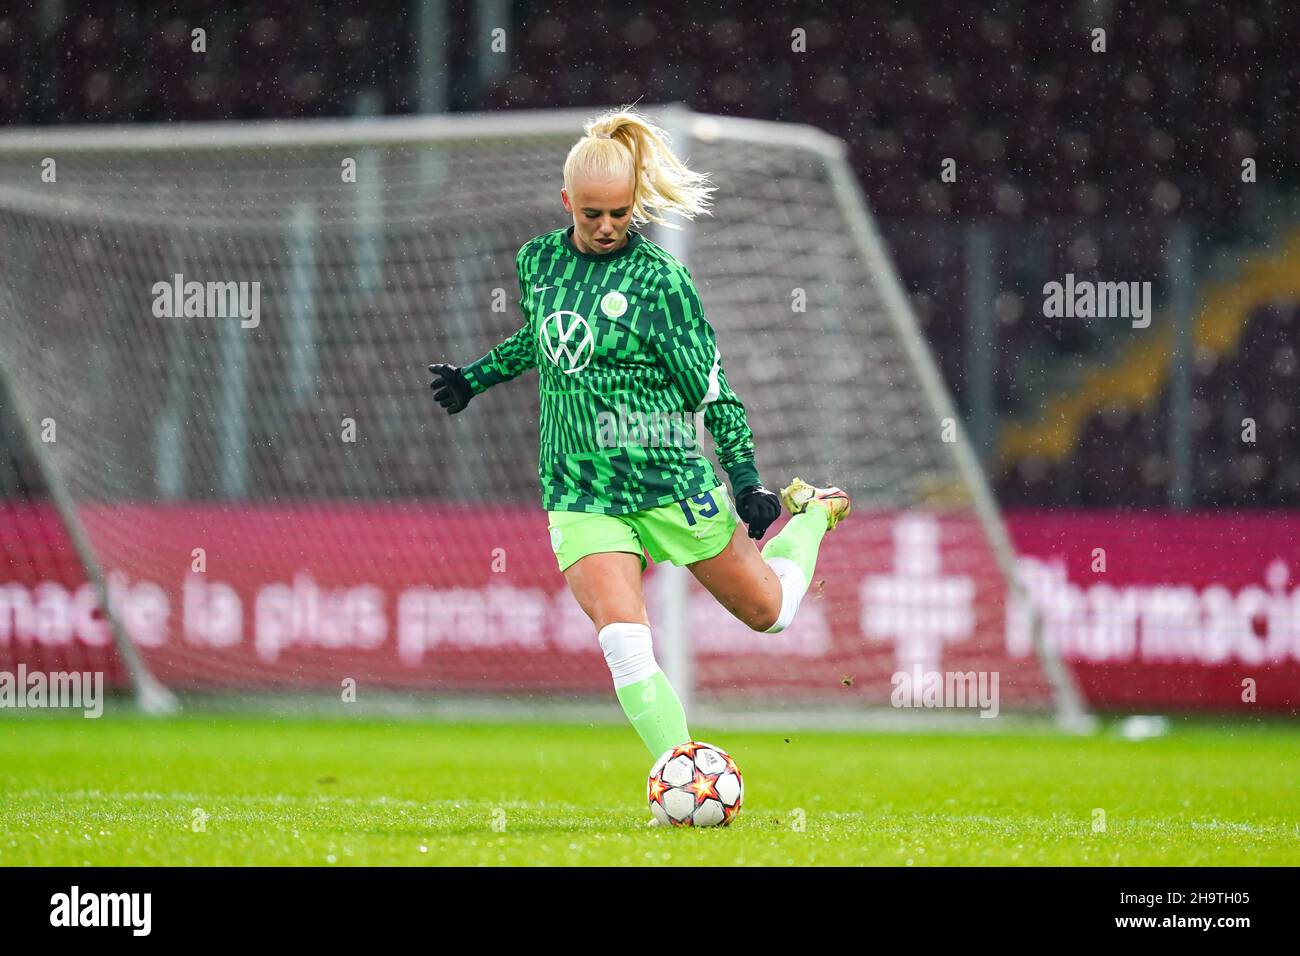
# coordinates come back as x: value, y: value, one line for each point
x: 229, y: 324
x: 150, y: 696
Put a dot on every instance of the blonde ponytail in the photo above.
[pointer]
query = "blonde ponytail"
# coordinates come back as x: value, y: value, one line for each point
x: 624, y: 144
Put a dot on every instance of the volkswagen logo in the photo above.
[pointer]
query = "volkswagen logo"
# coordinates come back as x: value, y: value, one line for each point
x: 565, y: 339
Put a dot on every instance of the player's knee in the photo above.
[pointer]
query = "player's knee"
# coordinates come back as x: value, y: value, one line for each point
x: 628, y: 651
x: 764, y: 616
x: 784, y: 603
x: 777, y: 614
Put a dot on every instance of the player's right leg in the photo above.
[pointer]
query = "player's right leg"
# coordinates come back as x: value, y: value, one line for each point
x: 602, y: 562
x: 765, y: 589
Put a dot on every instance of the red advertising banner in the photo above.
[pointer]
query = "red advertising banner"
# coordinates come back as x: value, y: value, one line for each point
x: 1155, y: 610
x: 1150, y: 611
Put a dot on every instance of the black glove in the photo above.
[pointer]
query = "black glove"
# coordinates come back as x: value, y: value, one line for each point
x: 758, y: 508
x: 450, y: 388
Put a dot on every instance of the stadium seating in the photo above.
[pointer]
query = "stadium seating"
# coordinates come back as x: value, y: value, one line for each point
x: 1122, y: 455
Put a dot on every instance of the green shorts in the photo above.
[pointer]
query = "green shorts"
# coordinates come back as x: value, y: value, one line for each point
x: 682, y: 532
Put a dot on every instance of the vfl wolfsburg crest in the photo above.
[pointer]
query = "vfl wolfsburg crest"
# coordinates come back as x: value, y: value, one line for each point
x: 613, y: 304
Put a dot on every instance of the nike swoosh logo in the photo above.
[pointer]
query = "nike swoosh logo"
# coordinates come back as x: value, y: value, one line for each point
x: 542, y: 288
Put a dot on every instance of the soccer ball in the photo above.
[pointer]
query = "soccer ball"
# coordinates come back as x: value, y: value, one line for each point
x: 695, y: 785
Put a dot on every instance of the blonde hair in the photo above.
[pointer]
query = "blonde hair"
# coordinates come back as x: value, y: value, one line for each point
x: 624, y: 144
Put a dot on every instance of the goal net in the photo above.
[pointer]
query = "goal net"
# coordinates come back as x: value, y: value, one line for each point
x: 213, y: 343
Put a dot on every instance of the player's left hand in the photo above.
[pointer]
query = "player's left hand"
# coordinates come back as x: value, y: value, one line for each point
x: 758, y: 508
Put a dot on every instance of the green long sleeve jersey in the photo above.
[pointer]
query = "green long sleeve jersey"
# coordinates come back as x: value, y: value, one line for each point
x: 626, y: 365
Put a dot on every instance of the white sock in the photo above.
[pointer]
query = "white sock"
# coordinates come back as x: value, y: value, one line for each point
x: 793, y: 587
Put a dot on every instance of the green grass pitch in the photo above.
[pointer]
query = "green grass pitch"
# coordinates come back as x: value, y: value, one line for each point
x: 243, y: 790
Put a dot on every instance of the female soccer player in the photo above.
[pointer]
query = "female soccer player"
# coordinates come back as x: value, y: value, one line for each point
x: 625, y: 359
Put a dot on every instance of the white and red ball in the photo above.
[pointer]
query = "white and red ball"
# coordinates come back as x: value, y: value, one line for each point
x: 695, y: 785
